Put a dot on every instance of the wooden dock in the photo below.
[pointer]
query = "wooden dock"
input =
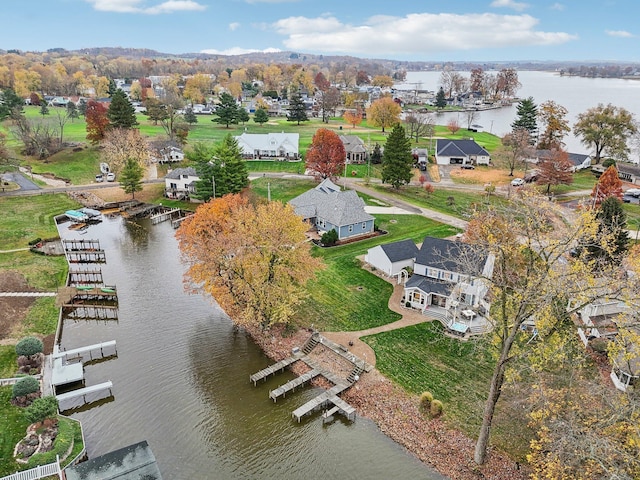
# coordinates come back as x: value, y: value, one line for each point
x: 282, y: 390
x: 90, y: 276
x: 163, y: 216
x: 276, y: 367
x: 83, y: 251
x: 178, y: 221
x: 83, y: 392
x: 325, y: 398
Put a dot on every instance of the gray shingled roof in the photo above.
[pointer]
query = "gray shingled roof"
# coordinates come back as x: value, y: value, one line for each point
x: 575, y: 158
x: 428, y: 285
x: 402, y: 250
x: 449, y: 255
x: 179, y: 172
x: 327, y: 202
x: 453, y: 148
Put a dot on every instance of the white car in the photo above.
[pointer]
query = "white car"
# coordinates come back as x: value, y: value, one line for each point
x: 111, y: 177
x: 517, y: 182
x: 634, y: 192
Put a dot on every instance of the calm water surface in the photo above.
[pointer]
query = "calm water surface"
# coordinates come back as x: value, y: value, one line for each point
x: 181, y: 382
x: 576, y: 94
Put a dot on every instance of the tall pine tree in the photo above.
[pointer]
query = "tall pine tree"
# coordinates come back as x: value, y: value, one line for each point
x: 227, y: 111
x: 612, y: 226
x: 297, y: 109
x: 526, y: 118
x: 441, y: 99
x: 121, y: 113
x: 397, y: 159
x: 229, y: 165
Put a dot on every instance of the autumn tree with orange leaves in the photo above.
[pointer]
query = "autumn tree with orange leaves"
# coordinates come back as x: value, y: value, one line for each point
x: 97, y: 121
x: 353, y: 117
x: 609, y: 185
x: 252, y: 258
x: 326, y: 155
x: 384, y: 113
x: 555, y: 169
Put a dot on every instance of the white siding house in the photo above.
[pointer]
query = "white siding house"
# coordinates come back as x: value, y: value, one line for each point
x: 180, y: 183
x: 460, y: 152
x: 392, y: 258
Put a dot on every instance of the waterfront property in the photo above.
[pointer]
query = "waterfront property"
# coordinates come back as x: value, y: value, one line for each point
x: 180, y: 183
x: 393, y: 258
x: 460, y: 152
x: 325, y: 207
x: 580, y: 161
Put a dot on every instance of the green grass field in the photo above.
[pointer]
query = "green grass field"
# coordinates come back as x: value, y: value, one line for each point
x: 346, y: 297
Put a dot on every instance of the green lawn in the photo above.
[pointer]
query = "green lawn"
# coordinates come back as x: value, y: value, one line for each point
x: 26, y: 218
x: 14, y: 427
x: 78, y: 165
x: 346, y: 297
x: 282, y: 189
x: 8, y: 365
x: 462, y: 206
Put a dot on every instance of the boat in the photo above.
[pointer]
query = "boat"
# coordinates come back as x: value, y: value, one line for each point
x: 94, y: 216
x: 104, y: 168
x: 76, y: 216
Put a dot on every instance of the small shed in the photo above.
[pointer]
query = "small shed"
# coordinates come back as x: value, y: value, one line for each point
x: 392, y: 258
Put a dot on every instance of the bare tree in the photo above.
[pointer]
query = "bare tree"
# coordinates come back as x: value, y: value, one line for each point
x: 419, y: 125
x: 62, y: 117
x: 517, y: 149
x: 470, y: 116
x: 40, y: 138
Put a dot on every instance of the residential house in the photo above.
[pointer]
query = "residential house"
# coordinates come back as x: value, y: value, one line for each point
x: 626, y: 172
x: 282, y: 146
x: 460, y: 152
x: 580, y: 161
x: 180, y: 183
x: 393, y: 259
x: 448, y: 282
x: 171, y: 154
x: 354, y: 149
x: 603, y: 320
x: 328, y: 208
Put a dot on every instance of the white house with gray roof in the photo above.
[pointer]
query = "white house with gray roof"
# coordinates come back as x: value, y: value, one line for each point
x: 180, y: 183
x: 392, y: 258
x: 460, y: 152
x: 328, y: 208
x: 269, y: 145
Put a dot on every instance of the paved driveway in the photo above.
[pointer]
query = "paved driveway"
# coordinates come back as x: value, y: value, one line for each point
x: 23, y: 182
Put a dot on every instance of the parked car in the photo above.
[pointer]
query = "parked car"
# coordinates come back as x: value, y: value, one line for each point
x: 517, y: 182
x: 99, y: 178
x: 111, y: 177
x: 467, y: 166
x: 634, y: 192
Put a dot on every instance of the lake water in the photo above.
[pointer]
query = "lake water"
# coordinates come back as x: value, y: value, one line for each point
x: 576, y: 94
x: 181, y: 382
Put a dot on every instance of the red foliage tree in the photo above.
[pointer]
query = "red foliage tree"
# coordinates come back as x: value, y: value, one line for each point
x: 453, y: 126
x: 609, y: 185
x: 353, y: 117
x: 326, y: 155
x: 556, y: 169
x: 97, y: 121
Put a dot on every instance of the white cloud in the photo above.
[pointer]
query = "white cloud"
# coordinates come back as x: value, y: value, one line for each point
x: 238, y: 51
x: 421, y: 33
x: 138, y: 6
x: 619, y: 33
x: 234, y: 26
x: 517, y: 6
x: 557, y: 6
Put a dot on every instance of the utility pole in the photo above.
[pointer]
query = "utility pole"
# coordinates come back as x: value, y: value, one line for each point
x: 269, y: 191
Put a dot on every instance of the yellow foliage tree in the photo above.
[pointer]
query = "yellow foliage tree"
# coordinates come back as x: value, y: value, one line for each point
x: 252, y: 258
x: 384, y: 113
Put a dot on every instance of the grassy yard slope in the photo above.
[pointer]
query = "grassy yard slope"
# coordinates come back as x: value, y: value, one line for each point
x: 26, y: 218
x: 14, y: 427
x: 346, y: 297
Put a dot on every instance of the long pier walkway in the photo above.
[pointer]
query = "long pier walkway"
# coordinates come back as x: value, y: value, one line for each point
x: 276, y: 367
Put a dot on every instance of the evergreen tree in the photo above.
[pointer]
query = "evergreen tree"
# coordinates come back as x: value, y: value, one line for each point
x: 121, y: 112
x: 131, y: 177
x: 156, y: 110
x: 112, y: 88
x: 243, y: 115
x: 397, y: 159
x: 10, y: 104
x: 72, y: 111
x: 44, y: 109
x: 441, y: 99
x: 229, y: 165
x: 227, y: 111
x: 526, y: 117
x: 201, y: 155
x: 612, y: 222
x: 376, y: 155
x: 189, y: 116
x: 261, y: 116
x: 297, y: 109
x: 82, y: 107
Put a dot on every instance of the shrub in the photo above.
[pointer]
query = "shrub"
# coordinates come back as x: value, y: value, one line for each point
x: 608, y: 162
x: 29, y: 346
x: 407, y: 304
x: 425, y: 400
x: 429, y: 189
x: 35, y: 241
x: 63, y: 442
x: 25, y: 386
x: 41, y: 408
x: 436, y: 408
x: 329, y: 238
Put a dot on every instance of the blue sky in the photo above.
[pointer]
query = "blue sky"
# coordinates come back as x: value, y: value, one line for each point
x: 472, y: 30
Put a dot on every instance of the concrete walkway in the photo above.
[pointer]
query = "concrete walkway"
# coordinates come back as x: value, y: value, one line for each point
x: 363, y: 350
